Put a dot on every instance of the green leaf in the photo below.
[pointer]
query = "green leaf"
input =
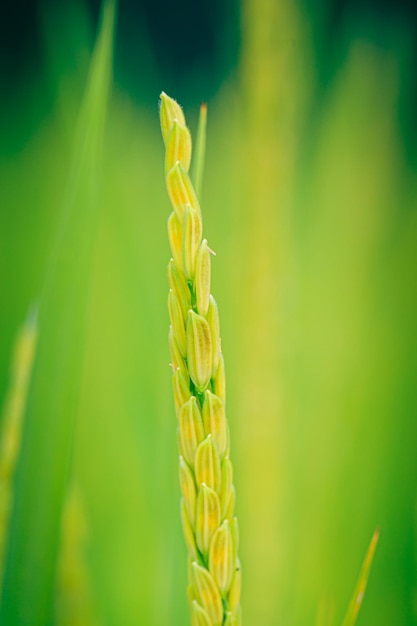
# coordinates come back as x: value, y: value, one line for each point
x: 356, y: 602
x: 43, y: 466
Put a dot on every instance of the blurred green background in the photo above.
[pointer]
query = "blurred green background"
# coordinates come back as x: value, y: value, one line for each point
x: 309, y: 201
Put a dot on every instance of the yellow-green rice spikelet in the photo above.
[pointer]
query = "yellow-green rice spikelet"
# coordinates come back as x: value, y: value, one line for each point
x: 219, y: 382
x: 234, y: 530
x: 213, y: 322
x: 175, y: 235
x: 199, y: 616
x: 207, y: 517
x: 235, y: 589
x: 221, y: 562
x: 207, y: 464
x: 199, y: 350
x: 177, y: 361
x: 177, y: 321
x: 181, y: 191
x: 214, y: 419
x: 191, y: 429
x: 188, y: 531
x: 179, y: 286
x: 206, y: 475
x: 226, y: 485
x: 208, y: 594
x: 202, y: 278
x: 188, y: 489
x: 169, y: 112
x: 181, y: 388
x: 231, y: 620
x: 178, y: 147
x: 192, y: 232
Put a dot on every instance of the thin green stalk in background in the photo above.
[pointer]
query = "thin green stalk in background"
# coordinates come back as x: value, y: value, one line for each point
x: 73, y: 602
x: 43, y: 466
x: 206, y: 479
x: 200, y: 151
x: 357, y: 598
x: 12, y: 422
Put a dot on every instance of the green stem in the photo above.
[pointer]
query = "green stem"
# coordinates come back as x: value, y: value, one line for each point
x: 200, y: 151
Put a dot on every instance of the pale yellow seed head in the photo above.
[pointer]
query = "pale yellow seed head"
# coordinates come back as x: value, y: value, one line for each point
x: 208, y: 594
x: 191, y: 431
x: 214, y: 419
x: 207, y: 464
x: 169, y: 111
x: 178, y: 147
x: 206, y: 476
x: 203, y: 278
x: 198, y: 350
x: 191, y: 239
x: 188, y: 489
x: 221, y: 564
x: 181, y: 191
x: 207, y: 517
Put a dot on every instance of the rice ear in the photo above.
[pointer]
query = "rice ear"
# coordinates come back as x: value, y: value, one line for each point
x: 206, y: 473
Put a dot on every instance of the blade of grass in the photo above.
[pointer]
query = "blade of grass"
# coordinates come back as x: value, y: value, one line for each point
x: 200, y: 150
x: 74, y: 601
x: 13, y: 412
x: 356, y: 602
x: 43, y: 466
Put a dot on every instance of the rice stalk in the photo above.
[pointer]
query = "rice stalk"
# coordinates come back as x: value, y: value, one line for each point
x: 206, y: 475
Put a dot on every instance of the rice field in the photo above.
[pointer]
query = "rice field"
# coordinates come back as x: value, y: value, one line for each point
x: 309, y: 201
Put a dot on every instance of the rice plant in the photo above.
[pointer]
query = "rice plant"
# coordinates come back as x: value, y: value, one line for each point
x: 309, y: 202
x: 206, y: 475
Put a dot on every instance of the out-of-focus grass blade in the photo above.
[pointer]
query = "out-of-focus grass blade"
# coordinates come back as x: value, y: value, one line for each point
x: 42, y: 471
x: 10, y: 435
x: 200, y: 150
x: 356, y: 602
x: 325, y: 611
x: 74, y: 605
